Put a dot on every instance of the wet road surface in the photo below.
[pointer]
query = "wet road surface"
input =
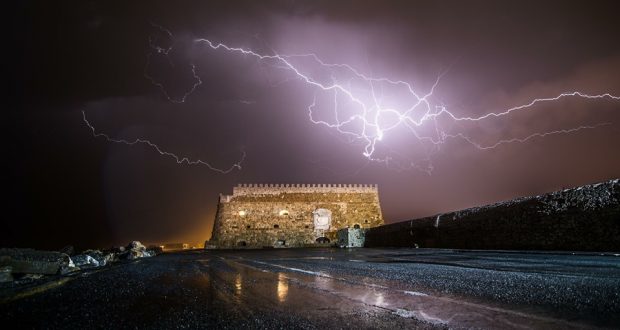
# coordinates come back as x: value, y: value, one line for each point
x: 330, y: 288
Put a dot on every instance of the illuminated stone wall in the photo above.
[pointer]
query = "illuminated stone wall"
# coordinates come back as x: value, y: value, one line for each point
x: 260, y: 215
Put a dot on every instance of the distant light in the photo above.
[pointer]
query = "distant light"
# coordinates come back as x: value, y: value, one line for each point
x: 242, y: 213
x: 283, y: 212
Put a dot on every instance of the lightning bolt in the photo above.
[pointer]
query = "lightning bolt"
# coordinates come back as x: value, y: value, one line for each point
x: 370, y: 126
x: 157, y: 49
x: 361, y: 107
x: 178, y: 159
x: 527, y: 138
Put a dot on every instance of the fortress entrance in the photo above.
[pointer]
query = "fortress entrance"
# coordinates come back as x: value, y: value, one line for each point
x: 322, y: 240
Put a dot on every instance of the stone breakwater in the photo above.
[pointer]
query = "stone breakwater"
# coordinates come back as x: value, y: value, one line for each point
x: 585, y: 218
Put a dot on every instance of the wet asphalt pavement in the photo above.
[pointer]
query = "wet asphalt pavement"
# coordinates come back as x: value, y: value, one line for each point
x: 329, y: 288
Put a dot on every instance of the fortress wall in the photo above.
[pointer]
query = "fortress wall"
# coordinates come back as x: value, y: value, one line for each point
x: 580, y: 219
x: 350, y: 205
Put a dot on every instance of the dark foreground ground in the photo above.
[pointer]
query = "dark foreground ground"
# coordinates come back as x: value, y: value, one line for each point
x: 329, y: 288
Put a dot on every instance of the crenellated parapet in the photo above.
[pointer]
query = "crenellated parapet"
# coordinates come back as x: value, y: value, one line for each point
x: 279, y: 188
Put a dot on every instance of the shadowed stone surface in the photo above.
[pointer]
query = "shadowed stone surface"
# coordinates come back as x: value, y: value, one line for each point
x: 586, y: 218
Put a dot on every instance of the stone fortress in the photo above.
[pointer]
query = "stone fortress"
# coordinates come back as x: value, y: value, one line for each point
x: 293, y: 215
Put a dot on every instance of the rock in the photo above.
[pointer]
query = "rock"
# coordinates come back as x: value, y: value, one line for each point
x: 85, y: 261
x: 136, y: 250
x: 29, y: 261
x: 149, y: 253
x: 116, y: 251
x: 5, y: 274
x: 108, y: 258
x: 71, y: 267
x: 31, y: 277
x: 102, y: 258
x: 135, y: 254
x: 136, y: 245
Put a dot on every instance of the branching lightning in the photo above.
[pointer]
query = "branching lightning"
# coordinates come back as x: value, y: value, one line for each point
x: 368, y: 121
x: 159, y: 49
x: 360, y: 107
x: 178, y: 159
x: 527, y: 138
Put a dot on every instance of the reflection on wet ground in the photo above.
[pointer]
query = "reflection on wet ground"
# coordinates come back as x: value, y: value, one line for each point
x: 282, y: 287
x: 445, y: 288
x: 332, y: 288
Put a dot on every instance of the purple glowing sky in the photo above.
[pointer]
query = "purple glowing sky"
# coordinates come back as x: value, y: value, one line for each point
x: 143, y: 74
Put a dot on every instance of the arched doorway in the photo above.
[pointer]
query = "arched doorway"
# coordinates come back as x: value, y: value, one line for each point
x: 322, y: 240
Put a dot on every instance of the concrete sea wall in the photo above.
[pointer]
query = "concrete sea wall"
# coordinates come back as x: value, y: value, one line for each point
x: 586, y: 218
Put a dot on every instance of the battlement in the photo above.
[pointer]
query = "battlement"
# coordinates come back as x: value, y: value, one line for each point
x: 245, y: 189
x: 303, y: 185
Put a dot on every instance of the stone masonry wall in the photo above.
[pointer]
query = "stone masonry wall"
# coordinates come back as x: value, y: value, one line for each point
x: 580, y: 219
x: 260, y: 215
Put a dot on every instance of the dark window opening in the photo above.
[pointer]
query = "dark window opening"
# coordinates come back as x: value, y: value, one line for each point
x: 365, y: 221
x: 322, y: 240
x: 241, y: 243
x: 356, y: 226
x: 248, y: 226
x: 276, y: 226
x: 306, y: 226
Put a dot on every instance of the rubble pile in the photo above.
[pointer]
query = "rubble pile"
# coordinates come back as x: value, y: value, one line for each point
x: 19, y: 264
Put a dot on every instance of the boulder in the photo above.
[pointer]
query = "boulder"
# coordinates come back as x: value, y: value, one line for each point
x: 5, y: 274
x: 135, y: 254
x: 103, y: 258
x: 136, y: 245
x: 136, y: 250
x: 29, y: 261
x: 71, y: 267
x: 85, y: 261
x: 31, y: 277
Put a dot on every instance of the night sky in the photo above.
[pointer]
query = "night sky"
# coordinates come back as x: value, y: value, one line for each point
x: 64, y: 186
